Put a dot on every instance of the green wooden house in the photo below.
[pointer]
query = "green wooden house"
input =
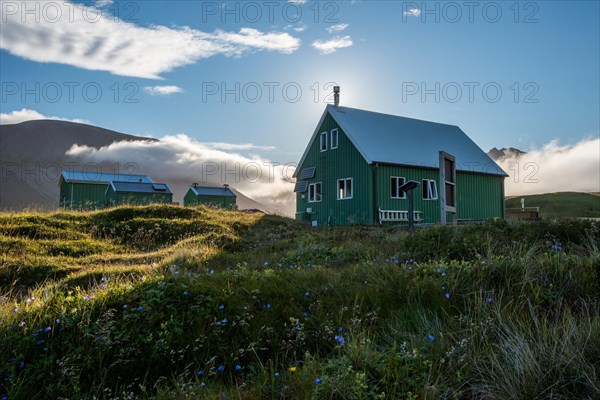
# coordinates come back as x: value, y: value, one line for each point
x: 86, y: 190
x: 220, y: 197
x: 356, y: 161
x: 138, y: 193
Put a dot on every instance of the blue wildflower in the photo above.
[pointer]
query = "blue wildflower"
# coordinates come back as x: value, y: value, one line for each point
x: 57, y: 321
x: 489, y: 299
x: 279, y: 265
x: 15, y: 310
x: 163, y: 284
x: 48, y: 329
x: 318, y: 381
x: 186, y: 293
x: 41, y: 341
x: 124, y: 306
x: 200, y: 373
x: 277, y: 375
x: 307, y: 294
x: 220, y: 368
x: 340, y: 329
x: 140, y: 308
x: 439, y: 270
x: 340, y: 339
x: 225, y: 320
x: 238, y: 368
x: 22, y: 323
x: 203, y: 384
x: 431, y: 338
x: 305, y: 315
x: 266, y: 263
x: 443, y: 274
x: 218, y: 323
x: 447, y: 295
x: 267, y: 306
x: 103, y: 279
x: 297, y: 327
x: 211, y: 272
x: 29, y: 299
x: 222, y: 307
x: 443, y: 287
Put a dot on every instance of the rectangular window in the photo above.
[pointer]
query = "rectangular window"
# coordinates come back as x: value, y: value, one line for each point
x: 314, y: 192
x: 429, y: 189
x: 334, y: 139
x: 395, y: 183
x: 344, y: 188
x: 323, y: 141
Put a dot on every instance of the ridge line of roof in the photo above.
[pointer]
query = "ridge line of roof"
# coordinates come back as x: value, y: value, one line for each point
x: 331, y: 106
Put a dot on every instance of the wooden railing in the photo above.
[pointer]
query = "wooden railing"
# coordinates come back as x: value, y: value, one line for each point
x: 398, y: 216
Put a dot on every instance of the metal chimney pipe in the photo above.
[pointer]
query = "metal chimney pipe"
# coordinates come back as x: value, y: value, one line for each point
x: 336, y: 96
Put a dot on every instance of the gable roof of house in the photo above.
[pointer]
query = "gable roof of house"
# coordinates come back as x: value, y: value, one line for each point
x: 212, y: 191
x: 140, y: 187
x: 391, y: 139
x: 101, y: 178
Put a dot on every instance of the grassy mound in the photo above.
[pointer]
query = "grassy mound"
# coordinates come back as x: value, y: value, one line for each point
x: 165, y: 302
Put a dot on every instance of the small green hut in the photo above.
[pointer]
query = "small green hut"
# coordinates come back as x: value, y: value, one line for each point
x: 220, y: 197
x: 138, y: 193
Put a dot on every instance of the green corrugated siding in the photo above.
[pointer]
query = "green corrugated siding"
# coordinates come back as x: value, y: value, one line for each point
x: 191, y: 199
x: 429, y: 208
x: 85, y: 196
x: 331, y: 165
x: 479, y: 196
x: 138, y: 198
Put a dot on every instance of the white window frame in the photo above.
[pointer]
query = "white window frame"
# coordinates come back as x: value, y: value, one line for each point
x: 315, y: 199
x: 345, y: 196
x: 403, y: 196
x: 337, y: 139
x: 323, y: 140
x: 432, y: 192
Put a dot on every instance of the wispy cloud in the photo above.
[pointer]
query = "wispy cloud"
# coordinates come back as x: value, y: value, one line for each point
x: 413, y: 12
x: 554, y: 168
x: 104, y: 43
x: 337, y: 28
x: 180, y: 160
x: 332, y: 45
x: 103, y: 3
x: 26, y: 114
x: 162, y: 90
x: 297, y: 1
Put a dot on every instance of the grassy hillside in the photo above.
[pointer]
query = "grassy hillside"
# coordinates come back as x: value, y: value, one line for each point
x: 165, y: 302
x: 560, y: 205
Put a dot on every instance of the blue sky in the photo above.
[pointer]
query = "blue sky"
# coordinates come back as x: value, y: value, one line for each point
x: 543, y: 56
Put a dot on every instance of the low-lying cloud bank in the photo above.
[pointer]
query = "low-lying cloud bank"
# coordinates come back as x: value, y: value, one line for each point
x: 554, y: 168
x: 180, y: 160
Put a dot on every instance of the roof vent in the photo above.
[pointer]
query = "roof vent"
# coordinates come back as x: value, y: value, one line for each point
x: 140, y: 180
x: 225, y: 186
x: 195, y: 184
x: 336, y: 96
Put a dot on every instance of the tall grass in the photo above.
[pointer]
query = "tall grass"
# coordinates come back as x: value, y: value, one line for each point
x: 164, y: 302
